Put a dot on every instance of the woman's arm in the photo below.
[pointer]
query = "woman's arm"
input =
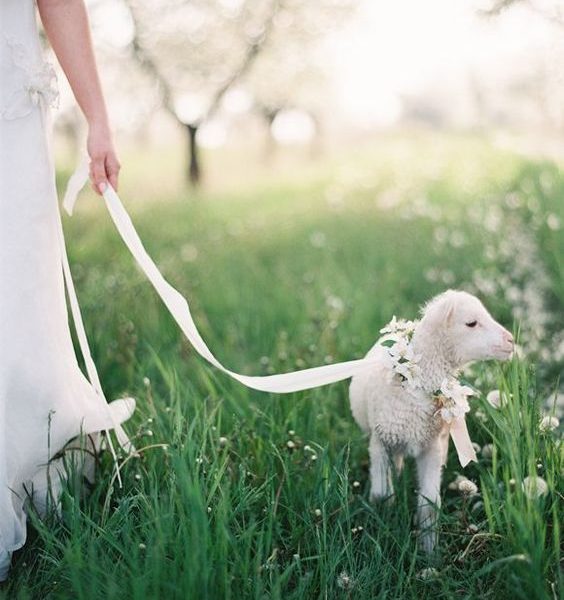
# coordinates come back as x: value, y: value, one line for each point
x: 66, y: 25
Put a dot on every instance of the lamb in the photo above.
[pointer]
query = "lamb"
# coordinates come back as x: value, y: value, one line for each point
x: 396, y: 402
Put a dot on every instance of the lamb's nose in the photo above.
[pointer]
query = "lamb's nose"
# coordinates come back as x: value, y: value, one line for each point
x: 509, y: 338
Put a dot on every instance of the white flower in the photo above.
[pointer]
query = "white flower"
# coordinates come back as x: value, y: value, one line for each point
x: 409, y: 370
x: 317, y: 239
x: 453, y: 399
x: 463, y: 485
x: 452, y: 389
x: 335, y: 303
x: 401, y: 349
x: 494, y: 398
x: 189, y: 253
x: 39, y: 83
x: 453, y: 485
x: 42, y: 84
x: 399, y: 325
x: 487, y: 450
x: 553, y: 222
x: 344, y: 581
x: 428, y: 573
x: 453, y: 411
x: 391, y: 327
x: 549, y: 423
x: 534, y: 487
x: 467, y: 487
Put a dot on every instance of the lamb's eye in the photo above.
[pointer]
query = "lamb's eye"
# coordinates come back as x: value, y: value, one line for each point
x: 472, y: 324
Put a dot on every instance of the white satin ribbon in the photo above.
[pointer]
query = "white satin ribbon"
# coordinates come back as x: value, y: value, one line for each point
x: 462, y: 442
x: 178, y: 306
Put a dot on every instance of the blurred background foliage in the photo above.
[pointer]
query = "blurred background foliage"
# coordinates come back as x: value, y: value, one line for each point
x: 269, y: 76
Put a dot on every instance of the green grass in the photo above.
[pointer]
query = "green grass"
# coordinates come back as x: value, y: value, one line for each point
x: 289, y: 273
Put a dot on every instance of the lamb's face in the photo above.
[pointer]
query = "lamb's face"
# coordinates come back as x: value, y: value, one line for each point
x: 472, y: 332
x: 476, y: 335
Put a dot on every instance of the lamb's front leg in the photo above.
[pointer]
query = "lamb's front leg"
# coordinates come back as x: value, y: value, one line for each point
x: 429, y: 465
x: 380, y: 473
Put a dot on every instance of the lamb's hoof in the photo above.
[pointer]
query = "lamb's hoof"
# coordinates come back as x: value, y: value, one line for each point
x: 5, y: 560
x: 386, y: 498
x: 428, y: 541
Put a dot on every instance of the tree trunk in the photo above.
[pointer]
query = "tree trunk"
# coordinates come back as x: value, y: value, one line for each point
x: 194, y: 169
x: 270, y: 145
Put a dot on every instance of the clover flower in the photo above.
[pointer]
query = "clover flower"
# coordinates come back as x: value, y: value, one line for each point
x: 549, y: 423
x: 318, y: 239
x: 428, y: 573
x: 467, y: 487
x: 344, y: 581
x: 487, y: 450
x: 534, y: 487
x: 463, y: 485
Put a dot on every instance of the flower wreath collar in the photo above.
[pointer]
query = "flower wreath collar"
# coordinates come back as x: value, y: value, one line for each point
x: 451, y: 399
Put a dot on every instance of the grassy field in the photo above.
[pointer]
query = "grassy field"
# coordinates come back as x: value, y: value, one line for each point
x: 264, y: 496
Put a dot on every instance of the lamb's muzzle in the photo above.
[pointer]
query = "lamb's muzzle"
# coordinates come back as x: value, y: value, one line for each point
x: 401, y: 414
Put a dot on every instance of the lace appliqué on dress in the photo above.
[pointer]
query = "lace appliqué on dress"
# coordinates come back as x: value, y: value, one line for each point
x: 39, y: 83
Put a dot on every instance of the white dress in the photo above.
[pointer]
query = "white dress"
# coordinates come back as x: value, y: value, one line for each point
x: 45, y: 400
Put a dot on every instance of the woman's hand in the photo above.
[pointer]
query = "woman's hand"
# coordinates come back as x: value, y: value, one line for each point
x: 104, y: 165
x: 66, y: 25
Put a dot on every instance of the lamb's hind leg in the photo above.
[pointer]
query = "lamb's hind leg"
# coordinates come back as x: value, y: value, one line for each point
x: 429, y: 465
x: 380, y: 473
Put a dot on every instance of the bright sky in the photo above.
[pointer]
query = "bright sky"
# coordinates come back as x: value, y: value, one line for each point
x: 390, y: 48
x: 394, y: 47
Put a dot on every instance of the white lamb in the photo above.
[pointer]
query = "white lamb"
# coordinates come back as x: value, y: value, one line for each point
x: 455, y: 329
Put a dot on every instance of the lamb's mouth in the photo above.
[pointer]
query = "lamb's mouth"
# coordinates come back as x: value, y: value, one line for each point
x: 503, y: 353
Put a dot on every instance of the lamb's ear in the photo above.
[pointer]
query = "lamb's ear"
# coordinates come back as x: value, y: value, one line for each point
x: 440, y: 310
x: 449, y: 312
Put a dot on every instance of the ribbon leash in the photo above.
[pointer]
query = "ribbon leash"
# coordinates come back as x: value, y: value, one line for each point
x: 462, y: 442
x: 122, y: 438
x: 282, y: 383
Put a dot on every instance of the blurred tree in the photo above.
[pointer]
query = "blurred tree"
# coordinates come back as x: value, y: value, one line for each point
x: 552, y: 10
x: 290, y: 75
x: 539, y: 86
x: 196, y: 51
x: 192, y: 53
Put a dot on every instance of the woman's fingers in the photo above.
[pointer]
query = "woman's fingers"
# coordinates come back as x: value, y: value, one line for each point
x: 112, y: 169
x: 103, y: 170
x: 98, y: 173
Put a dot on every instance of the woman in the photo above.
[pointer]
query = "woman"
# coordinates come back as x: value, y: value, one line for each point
x: 45, y: 400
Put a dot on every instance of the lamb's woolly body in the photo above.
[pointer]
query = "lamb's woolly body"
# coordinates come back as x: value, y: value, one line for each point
x: 403, y: 419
